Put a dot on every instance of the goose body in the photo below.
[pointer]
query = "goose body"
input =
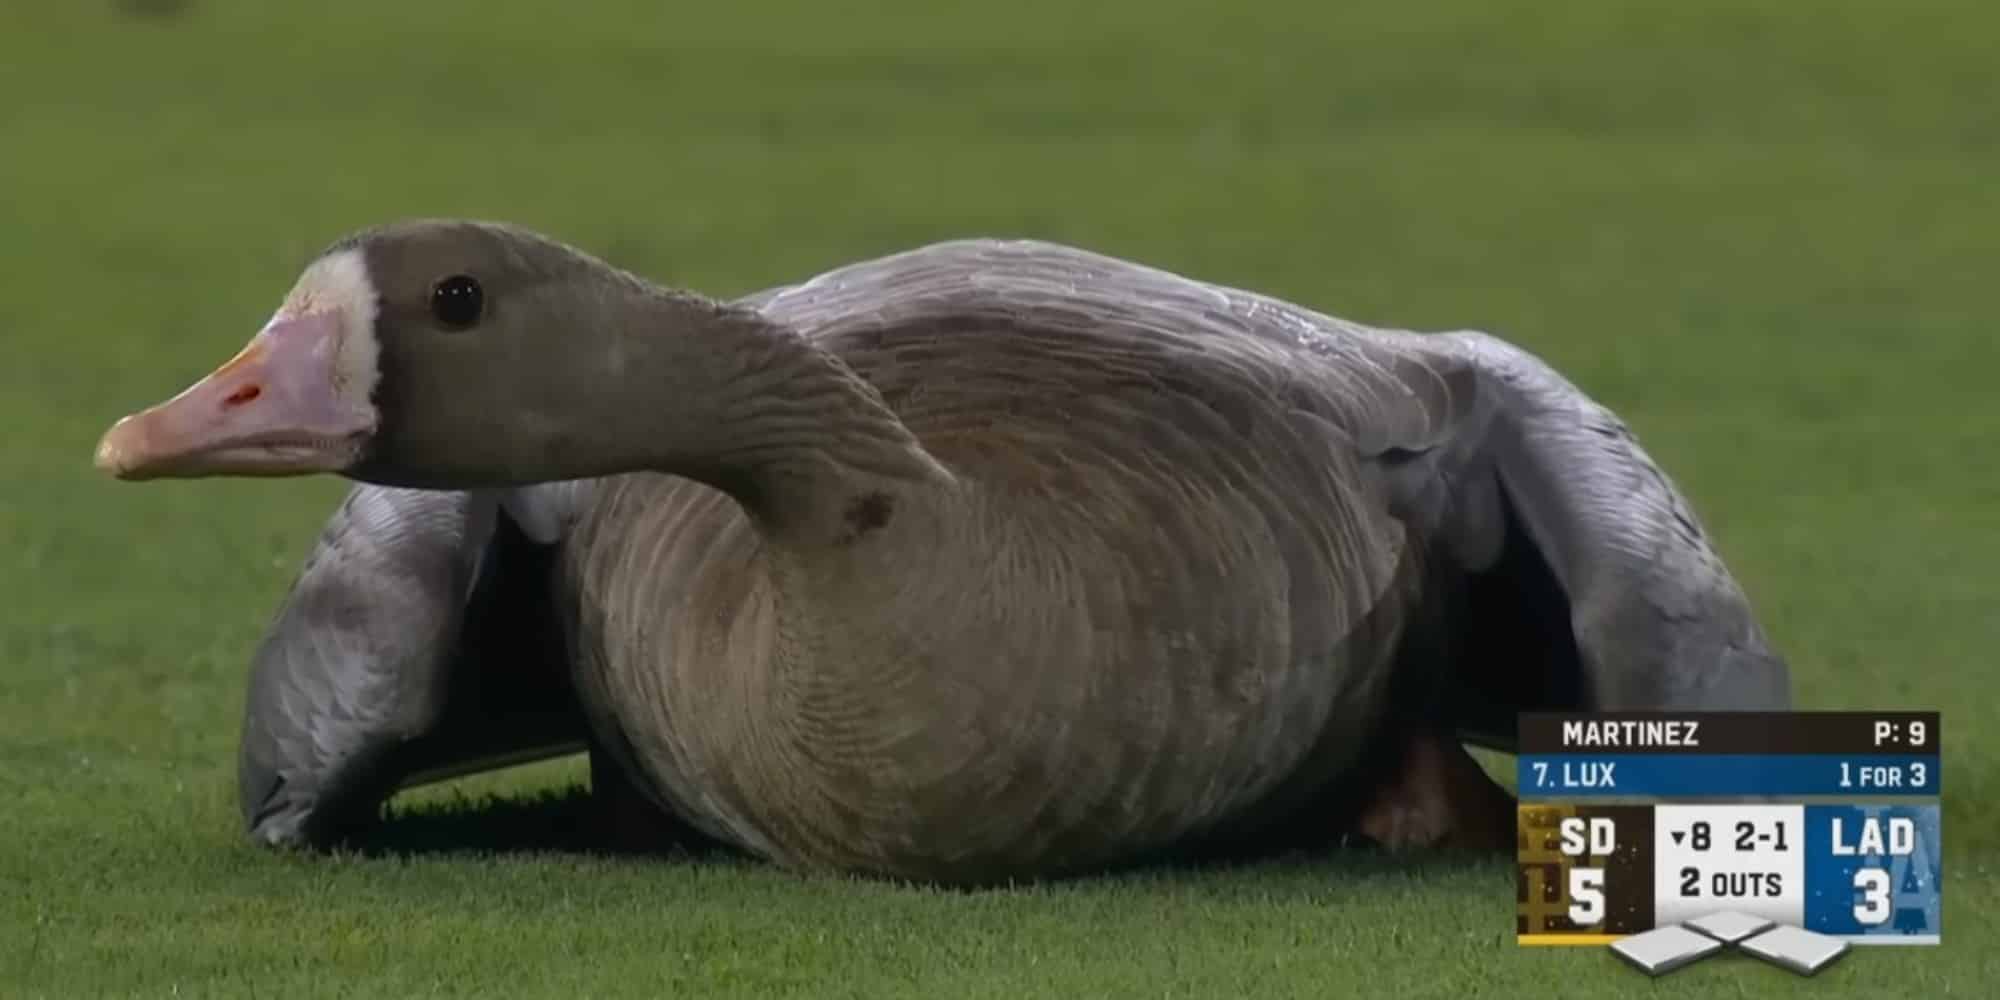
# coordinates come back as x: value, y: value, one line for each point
x: 1183, y: 591
x: 984, y: 560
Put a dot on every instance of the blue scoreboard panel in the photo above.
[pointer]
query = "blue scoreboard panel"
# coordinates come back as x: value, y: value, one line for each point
x: 1826, y: 821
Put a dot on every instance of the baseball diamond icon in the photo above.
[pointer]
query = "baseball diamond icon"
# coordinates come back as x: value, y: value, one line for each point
x: 1664, y: 949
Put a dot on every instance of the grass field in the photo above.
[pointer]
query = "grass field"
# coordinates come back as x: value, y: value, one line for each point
x: 1767, y: 236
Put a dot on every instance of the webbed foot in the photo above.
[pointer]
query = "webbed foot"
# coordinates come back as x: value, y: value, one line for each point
x: 1437, y: 796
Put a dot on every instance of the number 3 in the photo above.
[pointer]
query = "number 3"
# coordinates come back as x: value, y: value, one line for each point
x: 1873, y: 908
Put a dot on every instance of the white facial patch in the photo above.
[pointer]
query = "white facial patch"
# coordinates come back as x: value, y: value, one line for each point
x: 544, y: 512
x: 339, y: 282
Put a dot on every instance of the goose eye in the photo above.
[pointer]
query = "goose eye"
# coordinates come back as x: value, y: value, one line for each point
x: 456, y: 301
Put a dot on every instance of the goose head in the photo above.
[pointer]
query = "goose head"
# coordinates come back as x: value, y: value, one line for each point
x: 433, y: 353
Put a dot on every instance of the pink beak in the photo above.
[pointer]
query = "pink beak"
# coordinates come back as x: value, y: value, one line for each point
x: 276, y: 409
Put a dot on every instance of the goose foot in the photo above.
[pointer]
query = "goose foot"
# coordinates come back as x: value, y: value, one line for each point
x: 1437, y: 796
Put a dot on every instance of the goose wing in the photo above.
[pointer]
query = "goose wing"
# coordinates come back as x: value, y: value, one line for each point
x: 1588, y: 581
x: 416, y: 644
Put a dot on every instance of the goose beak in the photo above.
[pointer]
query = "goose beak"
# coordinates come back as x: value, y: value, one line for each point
x: 278, y: 408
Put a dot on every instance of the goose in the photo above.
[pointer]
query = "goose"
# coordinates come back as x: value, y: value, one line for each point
x: 986, y: 560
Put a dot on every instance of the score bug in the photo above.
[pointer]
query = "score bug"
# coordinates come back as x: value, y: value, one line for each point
x: 1739, y: 822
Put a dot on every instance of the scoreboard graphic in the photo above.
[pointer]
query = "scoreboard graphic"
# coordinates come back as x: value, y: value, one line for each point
x: 1637, y: 822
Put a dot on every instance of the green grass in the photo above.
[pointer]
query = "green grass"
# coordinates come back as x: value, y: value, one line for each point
x: 1765, y: 233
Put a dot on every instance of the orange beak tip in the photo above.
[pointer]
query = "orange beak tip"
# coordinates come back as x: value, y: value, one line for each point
x: 111, y: 454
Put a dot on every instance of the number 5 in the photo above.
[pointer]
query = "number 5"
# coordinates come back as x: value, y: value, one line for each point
x: 1586, y: 896
x: 1873, y: 908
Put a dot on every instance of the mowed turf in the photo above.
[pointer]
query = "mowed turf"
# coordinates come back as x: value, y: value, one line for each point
x: 1768, y: 238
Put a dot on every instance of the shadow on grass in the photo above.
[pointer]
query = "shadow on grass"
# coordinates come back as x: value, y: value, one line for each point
x: 571, y: 821
x: 563, y: 821
x: 1298, y: 874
